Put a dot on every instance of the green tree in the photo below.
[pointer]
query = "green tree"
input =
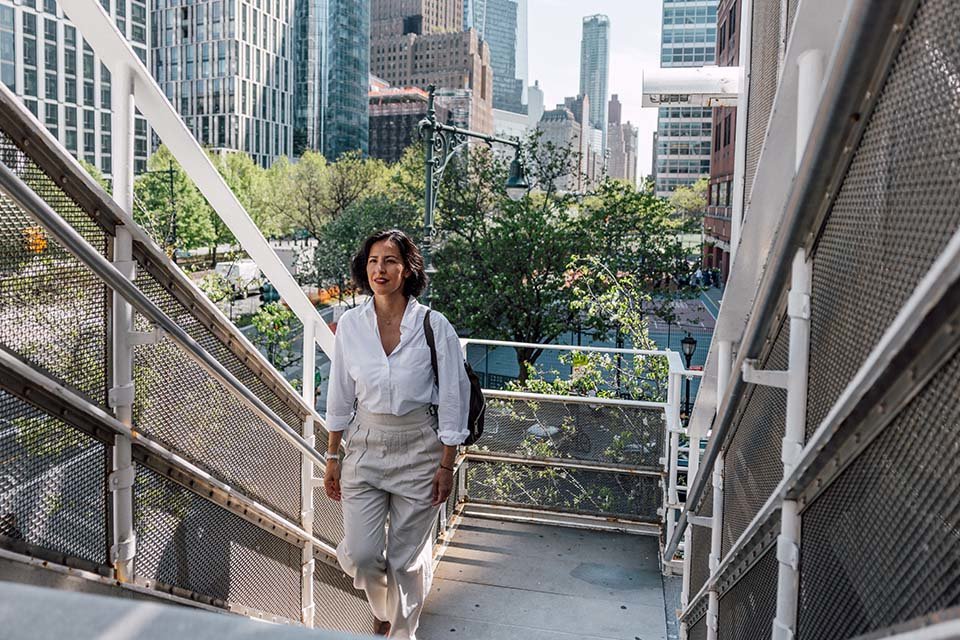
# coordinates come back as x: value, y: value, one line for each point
x: 274, y: 325
x: 691, y: 202
x: 194, y: 228
x: 328, y: 263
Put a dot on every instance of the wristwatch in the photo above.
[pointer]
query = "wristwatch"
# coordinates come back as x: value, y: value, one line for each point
x: 328, y: 456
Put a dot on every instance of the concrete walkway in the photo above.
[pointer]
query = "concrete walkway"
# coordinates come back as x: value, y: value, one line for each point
x: 503, y: 580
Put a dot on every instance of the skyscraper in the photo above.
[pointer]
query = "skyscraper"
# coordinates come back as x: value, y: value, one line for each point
x: 228, y: 69
x: 622, y: 141
x: 46, y: 63
x: 503, y: 25
x: 683, y: 143
x: 331, y: 75
x: 595, y: 69
x: 419, y: 49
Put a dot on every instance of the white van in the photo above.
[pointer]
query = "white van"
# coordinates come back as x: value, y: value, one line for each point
x: 243, y: 275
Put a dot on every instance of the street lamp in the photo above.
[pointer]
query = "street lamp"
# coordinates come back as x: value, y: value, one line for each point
x: 441, y: 142
x: 688, y: 346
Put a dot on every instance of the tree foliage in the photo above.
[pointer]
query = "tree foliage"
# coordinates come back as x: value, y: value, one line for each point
x: 274, y: 325
x: 194, y: 228
x: 691, y: 202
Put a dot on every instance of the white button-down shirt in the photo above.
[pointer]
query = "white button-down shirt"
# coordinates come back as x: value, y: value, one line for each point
x: 402, y: 381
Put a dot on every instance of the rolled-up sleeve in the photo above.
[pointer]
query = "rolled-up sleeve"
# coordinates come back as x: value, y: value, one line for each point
x: 341, y: 388
x: 454, y: 386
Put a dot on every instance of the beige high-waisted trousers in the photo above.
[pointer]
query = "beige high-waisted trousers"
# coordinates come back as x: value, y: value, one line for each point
x: 387, y: 476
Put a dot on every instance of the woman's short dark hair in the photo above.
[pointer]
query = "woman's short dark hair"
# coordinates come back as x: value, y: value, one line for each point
x: 415, y: 283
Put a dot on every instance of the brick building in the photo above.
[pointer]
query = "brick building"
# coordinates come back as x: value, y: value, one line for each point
x: 716, y: 222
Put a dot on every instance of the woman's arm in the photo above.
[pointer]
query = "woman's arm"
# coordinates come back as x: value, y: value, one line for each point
x: 331, y: 476
x: 341, y: 388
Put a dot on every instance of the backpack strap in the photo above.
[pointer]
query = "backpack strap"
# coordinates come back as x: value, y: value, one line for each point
x: 428, y: 334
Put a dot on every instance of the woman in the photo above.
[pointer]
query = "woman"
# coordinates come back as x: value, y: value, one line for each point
x: 402, y: 431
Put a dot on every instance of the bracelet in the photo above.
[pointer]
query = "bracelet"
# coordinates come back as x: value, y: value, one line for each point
x: 328, y: 456
x: 450, y: 469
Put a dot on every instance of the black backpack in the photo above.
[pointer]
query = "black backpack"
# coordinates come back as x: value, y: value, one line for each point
x: 478, y: 405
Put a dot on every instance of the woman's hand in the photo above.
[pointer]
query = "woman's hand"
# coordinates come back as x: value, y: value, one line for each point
x: 331, y: 480
x: 442, y: 485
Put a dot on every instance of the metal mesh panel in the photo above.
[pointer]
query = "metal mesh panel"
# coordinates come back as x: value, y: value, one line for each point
x: 698, y: 631
x: 187, y: 542
x: 747, y: 610
x: 337, y: 605
x: 52, y: 483
x: 764, y: 75
x: 327, y: 517
x: 700, y: 539
x: 900, y: 497
x: 574, y: 490
x: 600, y: 433
x: 53, y: 310
x: 183, y: 407
x: 752, y: 465
x: 895, y: 211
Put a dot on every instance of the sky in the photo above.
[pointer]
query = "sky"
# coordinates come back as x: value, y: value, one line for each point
x: 554, y: 54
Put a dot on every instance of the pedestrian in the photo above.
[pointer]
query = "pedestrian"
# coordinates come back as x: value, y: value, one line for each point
x: 401, y: 429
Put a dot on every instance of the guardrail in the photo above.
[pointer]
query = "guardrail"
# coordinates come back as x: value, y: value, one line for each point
x: 814, y: 496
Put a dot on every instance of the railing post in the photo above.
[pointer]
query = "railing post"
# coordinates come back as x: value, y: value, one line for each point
x: 121, y: 396
x: 809, y: 80
x: 306, y: 474
x: 724, y: 357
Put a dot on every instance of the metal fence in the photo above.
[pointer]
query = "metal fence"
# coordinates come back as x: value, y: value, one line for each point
x: 823, y: 505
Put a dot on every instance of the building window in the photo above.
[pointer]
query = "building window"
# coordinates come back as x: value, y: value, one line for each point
x: 50, y: 87
x: 732, y: 19
x: 716, y: 137
x: 727, y: 126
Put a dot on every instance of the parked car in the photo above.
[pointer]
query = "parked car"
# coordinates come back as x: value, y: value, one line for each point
x: 243, y: 275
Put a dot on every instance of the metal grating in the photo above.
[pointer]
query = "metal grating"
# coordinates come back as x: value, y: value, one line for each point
x: 572, y: 490
x: 53, y: 310
x: 52, y: 483
x: 186, y: 542
x: 764, y: 76
x: 337, y: 605
x: 700, y: 540
x: 698, y: 631
x: 598, y: 433
x: 184, y: 408
x: 895, y: 211
x: 752, y: 465
x: 747, y: 610
x: 327, y: 517
x: 900, y: 495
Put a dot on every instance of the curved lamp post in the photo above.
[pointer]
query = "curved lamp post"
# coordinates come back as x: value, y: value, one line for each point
x: 442, y: 142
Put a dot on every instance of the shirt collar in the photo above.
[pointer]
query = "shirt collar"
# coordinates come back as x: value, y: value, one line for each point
x: 410, y: 314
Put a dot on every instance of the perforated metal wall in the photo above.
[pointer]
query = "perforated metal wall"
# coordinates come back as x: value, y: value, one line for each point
x: 337, y: 605
x: 700, y: 544
x: 895, y: 211
x: 549, y: 429
x: 698, y: 631
x: 747, y: 610
x: 574, y: 490
x: 900, y: 497
x: 53, y: 310
x: 752, y: 465
x: 52, y: 483
x: 764, y: 75
x: 186, y: 542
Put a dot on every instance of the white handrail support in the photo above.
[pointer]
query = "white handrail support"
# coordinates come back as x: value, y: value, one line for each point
x: 101, y: 33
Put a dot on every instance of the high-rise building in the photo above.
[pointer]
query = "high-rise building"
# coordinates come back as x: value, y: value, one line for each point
x: 595, y: 68
x: 688, y: 39
x: 560, y: 128
x: 535, y: 102
x: 228, y: 69
x: 502, y: 24
x: 45, y: 61
x: 455, y: 61
x: 420, y: 17
x: 622, y: 142
x: 716, y: 222
x: 332, y: 67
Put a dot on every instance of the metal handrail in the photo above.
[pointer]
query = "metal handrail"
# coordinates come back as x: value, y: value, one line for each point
x: 567, y: 347
x: 75, y: 408
x: 853, y: 74
x: 67, y: 236
x: 546, y: 397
